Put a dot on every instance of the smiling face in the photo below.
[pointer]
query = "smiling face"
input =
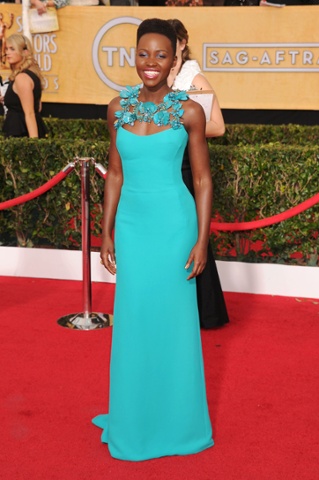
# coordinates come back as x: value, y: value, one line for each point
x: 154, y: 59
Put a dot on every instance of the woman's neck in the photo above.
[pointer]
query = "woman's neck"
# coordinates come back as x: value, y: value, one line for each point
x: 155, y: 95
x: 15, y: 67
x: 174, y: 72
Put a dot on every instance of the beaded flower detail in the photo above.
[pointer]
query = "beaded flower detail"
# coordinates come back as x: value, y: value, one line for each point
x: 168, y: 112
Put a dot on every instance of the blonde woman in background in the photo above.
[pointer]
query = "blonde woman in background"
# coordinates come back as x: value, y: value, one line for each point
x: 187, y: 75
x: 23, y: 96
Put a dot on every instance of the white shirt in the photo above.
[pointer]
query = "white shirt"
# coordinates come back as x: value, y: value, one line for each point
x: 186, y: 75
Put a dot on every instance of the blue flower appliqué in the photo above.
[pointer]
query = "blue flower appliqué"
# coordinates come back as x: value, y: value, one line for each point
x: 169, y: 112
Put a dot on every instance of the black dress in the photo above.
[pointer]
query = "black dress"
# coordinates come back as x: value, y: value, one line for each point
x: 14, y: 124
x: 211, y: 303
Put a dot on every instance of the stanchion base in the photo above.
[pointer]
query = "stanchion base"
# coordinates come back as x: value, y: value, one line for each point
x: 86, y: 321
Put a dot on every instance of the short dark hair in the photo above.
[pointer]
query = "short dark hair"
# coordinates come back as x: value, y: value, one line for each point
x: 157, y: 25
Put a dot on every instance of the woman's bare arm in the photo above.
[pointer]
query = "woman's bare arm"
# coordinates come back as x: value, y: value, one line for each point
x: 112, y: 191
x: 194, y: 121
x: 23, y: 86
x: 215, y: 127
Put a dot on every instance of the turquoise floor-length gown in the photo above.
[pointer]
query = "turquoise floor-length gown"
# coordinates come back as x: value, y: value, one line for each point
x: 158, y: 403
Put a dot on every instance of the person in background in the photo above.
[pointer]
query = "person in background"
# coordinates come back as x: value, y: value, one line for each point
x: 187, y: 75
x: 41, y: 6
x: 23, y: 96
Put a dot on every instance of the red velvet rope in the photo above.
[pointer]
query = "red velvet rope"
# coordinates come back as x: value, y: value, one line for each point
x: 265, y: 222
x: 222, y: 226
x: 36, y: 193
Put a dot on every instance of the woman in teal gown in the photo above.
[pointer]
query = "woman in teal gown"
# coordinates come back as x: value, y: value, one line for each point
x: 157, y: 403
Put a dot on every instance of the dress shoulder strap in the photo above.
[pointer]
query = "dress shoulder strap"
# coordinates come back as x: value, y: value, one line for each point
x: 168, y: 112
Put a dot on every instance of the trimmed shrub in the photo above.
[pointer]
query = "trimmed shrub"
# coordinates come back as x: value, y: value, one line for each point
x: 54, y: 217
x: 255, y: 182
x: 258, y: 171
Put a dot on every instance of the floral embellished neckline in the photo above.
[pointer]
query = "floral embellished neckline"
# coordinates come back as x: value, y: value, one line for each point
x: 168, y: 112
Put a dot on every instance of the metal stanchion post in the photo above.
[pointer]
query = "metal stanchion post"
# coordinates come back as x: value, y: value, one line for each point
x: 86, y: 320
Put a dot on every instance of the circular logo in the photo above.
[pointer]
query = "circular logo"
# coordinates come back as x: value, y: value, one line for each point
x: 110, y: 52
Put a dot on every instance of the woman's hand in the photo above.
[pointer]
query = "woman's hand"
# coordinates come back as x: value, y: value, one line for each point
x: 107, y: 255
x: 40, y: 6
x: 198, y: 256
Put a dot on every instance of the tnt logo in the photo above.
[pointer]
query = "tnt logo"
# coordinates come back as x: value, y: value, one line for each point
x: 112, y: 51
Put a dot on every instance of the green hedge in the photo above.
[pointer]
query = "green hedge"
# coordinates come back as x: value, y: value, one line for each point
x: 53, y: 218
x: 70, y: 129
x: 234, y: 135
x: 254, y: 182
x: 250, y: 181
x: 261, y: 134
x: 73, y: 129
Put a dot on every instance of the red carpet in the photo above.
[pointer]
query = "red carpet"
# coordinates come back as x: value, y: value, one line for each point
x: 262, y: 382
